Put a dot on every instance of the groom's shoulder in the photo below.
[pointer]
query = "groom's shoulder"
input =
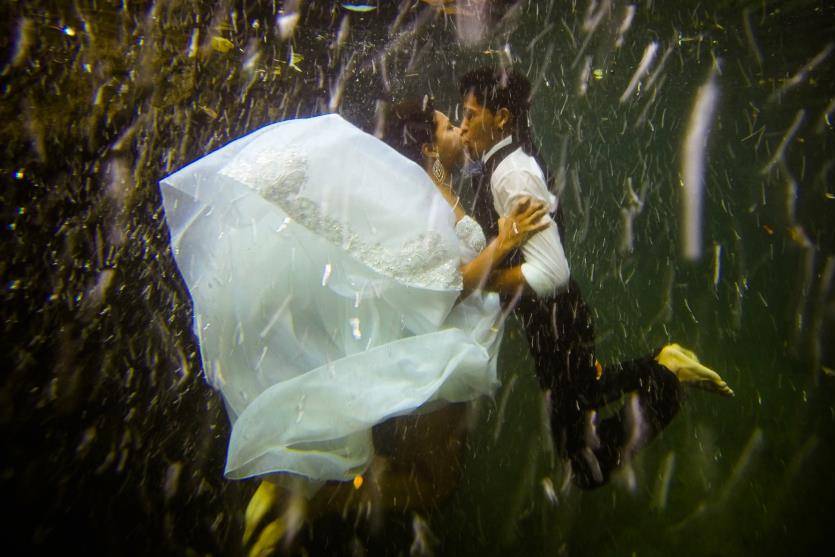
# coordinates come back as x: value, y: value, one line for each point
x: 517, y: 162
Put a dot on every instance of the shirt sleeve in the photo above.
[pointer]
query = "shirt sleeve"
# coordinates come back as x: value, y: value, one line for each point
x: 545, y: 266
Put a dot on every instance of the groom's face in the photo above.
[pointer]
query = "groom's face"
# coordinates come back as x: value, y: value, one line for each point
x: 480, y: 128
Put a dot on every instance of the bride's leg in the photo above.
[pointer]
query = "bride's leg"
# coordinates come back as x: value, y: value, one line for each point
x: 418, y: 467
x: 424, y: 453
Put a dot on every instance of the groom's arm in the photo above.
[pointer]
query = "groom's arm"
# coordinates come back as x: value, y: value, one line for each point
x: 515, y: 229
x: 545, y: 268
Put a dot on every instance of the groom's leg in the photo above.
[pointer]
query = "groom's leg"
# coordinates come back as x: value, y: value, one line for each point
x: 560, y: 335
x: 649, y: 405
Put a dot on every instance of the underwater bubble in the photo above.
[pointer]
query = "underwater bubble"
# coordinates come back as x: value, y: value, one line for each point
x: 286, y: 222
x: 355, y: 327
x: 300, y: 408
x: 548, y: 490
x: 172, y: 480
x: 693, y: 167
x: 287, y: 25
x: 359, y: 8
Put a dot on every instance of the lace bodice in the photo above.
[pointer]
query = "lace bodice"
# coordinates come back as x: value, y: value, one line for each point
x: 471, y: 236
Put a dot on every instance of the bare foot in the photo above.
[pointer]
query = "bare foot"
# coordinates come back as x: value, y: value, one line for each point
x: 685, y: 365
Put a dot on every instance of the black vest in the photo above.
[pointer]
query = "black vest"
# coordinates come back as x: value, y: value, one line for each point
x: 482, y: 209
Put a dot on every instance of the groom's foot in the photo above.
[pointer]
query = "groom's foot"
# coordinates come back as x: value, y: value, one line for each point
x: 686, y: 367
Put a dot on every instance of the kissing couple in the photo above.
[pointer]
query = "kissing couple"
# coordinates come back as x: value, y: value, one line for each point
x: 348, y: 306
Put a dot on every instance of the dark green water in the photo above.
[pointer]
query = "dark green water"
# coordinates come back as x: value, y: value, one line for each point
x: 113, y: 442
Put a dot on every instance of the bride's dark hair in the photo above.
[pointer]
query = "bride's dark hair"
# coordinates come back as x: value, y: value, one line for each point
x: 408, y: 125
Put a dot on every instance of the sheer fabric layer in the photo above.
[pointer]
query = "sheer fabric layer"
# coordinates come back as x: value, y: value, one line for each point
x: 323, y: 268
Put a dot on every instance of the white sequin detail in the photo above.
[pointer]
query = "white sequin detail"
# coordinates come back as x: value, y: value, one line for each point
x: 270, y: 174
x: 423, y: 260
x: 471, y: 236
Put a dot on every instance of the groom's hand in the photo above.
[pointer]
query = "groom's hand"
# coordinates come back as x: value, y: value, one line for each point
x: 525, y: 219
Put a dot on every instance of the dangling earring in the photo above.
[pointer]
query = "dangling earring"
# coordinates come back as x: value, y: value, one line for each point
x: 438, y: 170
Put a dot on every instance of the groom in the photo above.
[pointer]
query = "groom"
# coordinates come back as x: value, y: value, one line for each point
x: 536, y: 282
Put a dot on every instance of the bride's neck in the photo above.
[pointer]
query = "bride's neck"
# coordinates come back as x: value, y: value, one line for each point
x: 444, y: 185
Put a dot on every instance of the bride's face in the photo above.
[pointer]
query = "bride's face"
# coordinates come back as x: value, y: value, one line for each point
x: 448, y: 141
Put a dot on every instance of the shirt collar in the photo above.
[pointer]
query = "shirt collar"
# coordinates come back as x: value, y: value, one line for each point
x: 506, y: 141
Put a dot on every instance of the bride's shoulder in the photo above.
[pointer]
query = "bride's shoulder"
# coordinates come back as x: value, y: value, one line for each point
x: 471, y: 236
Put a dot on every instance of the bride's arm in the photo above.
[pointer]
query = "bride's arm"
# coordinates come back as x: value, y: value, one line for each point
x: 524, y: 220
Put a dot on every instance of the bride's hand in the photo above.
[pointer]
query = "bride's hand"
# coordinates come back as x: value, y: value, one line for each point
x: 524, y: 220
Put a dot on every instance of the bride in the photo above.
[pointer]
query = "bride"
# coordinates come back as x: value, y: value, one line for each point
x: 335, y: 286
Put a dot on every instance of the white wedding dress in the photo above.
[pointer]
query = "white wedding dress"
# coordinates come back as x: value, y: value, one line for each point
x: 323, y: 268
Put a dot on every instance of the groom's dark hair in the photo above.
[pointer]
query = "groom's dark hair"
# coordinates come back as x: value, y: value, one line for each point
x: 408, y: 125
x: 497, y: 88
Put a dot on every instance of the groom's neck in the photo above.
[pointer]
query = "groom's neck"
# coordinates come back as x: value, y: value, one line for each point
x: 495, y: 147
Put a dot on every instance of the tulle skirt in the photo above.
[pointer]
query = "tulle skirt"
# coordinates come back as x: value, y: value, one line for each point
x: 323, y: 269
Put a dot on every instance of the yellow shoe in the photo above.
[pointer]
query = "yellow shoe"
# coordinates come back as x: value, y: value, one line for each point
x: 263, y: 500
x: 270, y: 536
x: 686, y: 367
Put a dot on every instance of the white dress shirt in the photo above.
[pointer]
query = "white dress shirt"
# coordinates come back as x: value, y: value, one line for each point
x: 545, y: 266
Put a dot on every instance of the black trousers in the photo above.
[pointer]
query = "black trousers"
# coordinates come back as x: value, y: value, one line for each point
x: 560, y: 333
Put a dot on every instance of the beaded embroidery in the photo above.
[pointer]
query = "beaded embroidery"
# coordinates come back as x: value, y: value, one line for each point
x: 422, y: 261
